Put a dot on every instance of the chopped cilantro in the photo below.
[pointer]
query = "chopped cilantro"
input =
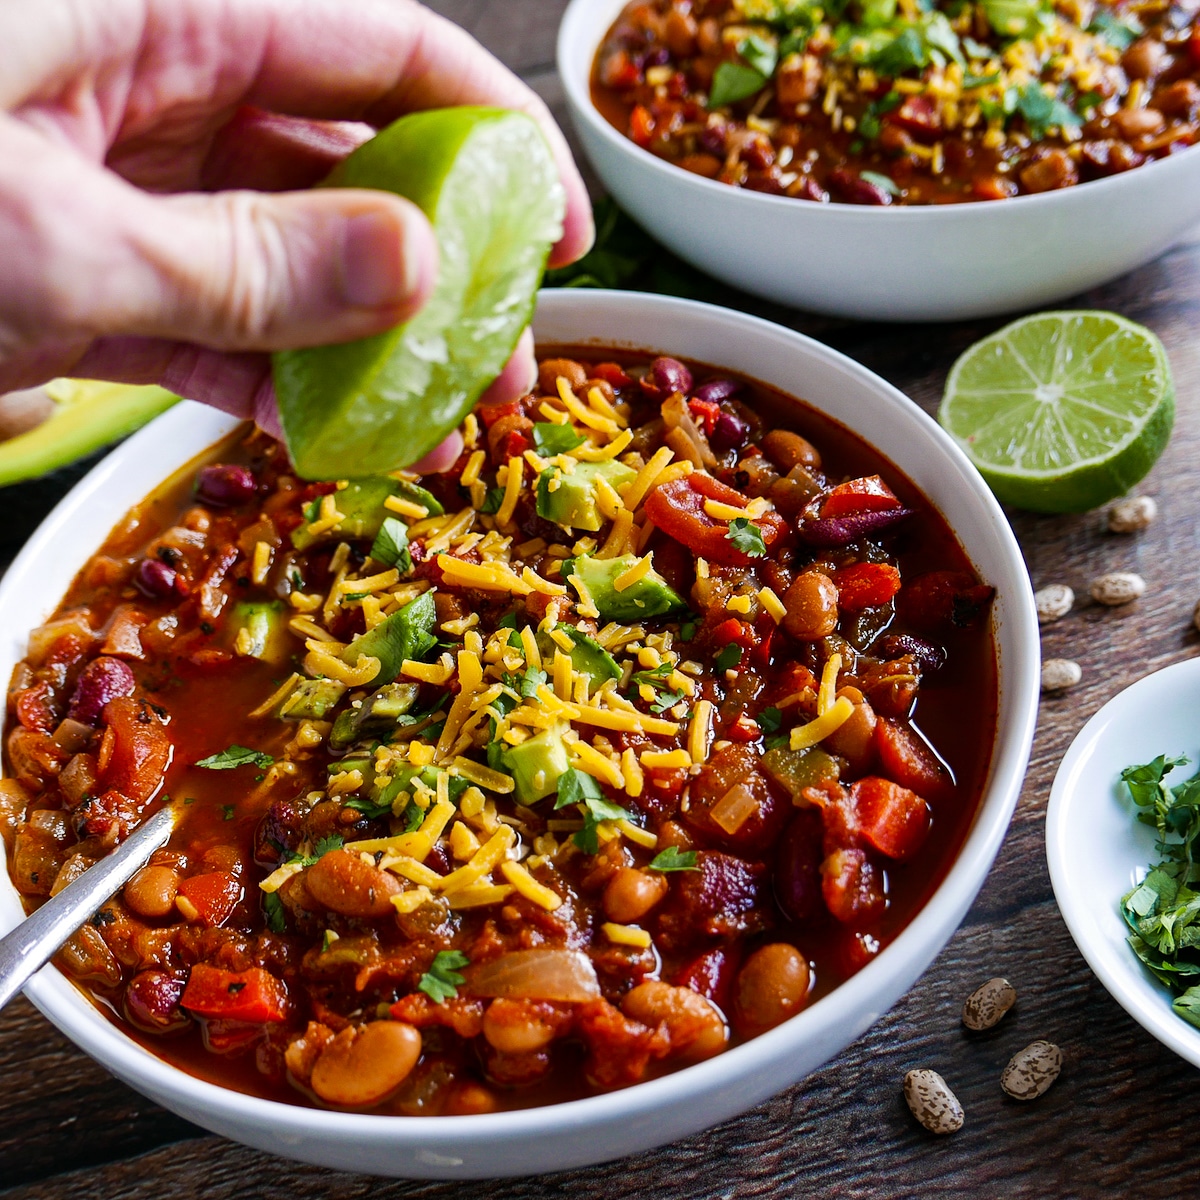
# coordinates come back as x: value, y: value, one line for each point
x: 530, y: 682
x: 578, y: 787
x: 885, y: 183
x: 236, y: 756
x: 296, y: 579
x: 327, y: 940
x: 390, y: 546
x: 733, y: 82
x: 333, y: 841
x: 769, y: 720
x: 674, y: 859
x: 368, y: 808
x: 228, y: 812
x: 759, y: 54
x: 440, y: 982
x: 508, y: 621
x: 687, y: 631
x: 729, y: 657
x: 654, y: 676
x: 276, y: 917
x: 1120, y: 32
x: 413, y: 817
x: 550, y: 439
x: 745, y: 535
x: 312, y: 509
x: 492, y: 501
x: 666, y: 700
x: 1042, y: 111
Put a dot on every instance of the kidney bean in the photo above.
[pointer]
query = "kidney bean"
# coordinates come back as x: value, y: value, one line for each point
x: 729, y: 433
x: 798, y: 867
x: 716, y: 390
x: 666, y: 376
x: 152, y: 1002
x: 225, y: 485
x: 855, y: 190
x: 103, y: 679
x: 809, y: 189
x: 929, y: 656
x: 155, y: 578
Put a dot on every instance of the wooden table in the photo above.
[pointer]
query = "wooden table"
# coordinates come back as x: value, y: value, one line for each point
x: 1118, y: 1118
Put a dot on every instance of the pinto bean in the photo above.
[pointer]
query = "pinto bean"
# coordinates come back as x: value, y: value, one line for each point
x: 1179, y: 99
x: 811, y: 604
x: 341, y: 881
x: 854, y: 739
x: 787, y: 450
x: 631, y: 894
x: 364, y: 1064
x: 152, y: 891
x: 516, y: 1027
x: 1144, y: 58
x: 694, y: 1024
x: 1138, y: 122
x: 772, y: 986
x: 551, y: 368
x: 680, y: 33
x: 1052, y: 171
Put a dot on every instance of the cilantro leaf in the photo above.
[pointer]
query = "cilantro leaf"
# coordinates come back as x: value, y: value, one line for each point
x: 674, y: 859
x: 275, y: 912
x: 883, y: 182
x: 550, y: 439
x: 530, y: 682
x: 733, y: 82
x: 687, y: 631
x: 492, y: 501
x: 413, y: 818
x: 236, y: 756
x: 760, y: 54
x: 769, y: 720
x: 1120, y: 32
x: 1042, y: 111
x: 578, y: 787
x: 440, y: 983
x: 729, y: 657
x: 368, y: 808
x: 390, y: 546
x: 312, y: 510
x: 332, y: 841
x: 746, y: 536
x: 666, y: 700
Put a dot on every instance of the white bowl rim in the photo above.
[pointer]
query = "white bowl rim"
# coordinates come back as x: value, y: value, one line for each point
x: 579, y: 97
x: 1128, y: 987
x: 105, y: 1042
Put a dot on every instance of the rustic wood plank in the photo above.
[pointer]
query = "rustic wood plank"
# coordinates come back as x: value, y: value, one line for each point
x: 1115, y: 1121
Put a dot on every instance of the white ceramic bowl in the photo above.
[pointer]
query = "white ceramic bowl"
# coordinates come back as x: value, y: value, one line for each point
x: 943, y: 262
x: 664, y: 1109
x: 1098, y: 850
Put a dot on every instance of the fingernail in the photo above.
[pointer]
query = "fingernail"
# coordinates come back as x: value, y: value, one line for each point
x: 384, y: 262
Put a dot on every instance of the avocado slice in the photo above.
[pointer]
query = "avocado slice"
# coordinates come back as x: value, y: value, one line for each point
x: 265, y: 624
x: 86, y: 415
x: 405, y: 634
x: 588, y: 657
x: 572, y: 503
x: 537, y: 765
x: 361, y: 503
x: 376, y: 716
x: 312, y: 699
x: 651, y: 596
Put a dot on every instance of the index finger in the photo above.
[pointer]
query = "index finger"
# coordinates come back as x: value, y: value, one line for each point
x: 377, y: 61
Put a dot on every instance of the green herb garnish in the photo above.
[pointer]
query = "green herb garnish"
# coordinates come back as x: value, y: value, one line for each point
x: 550, y: 439
x: 440, y: 983
x: 769, y: 720
x: 578, y: 787
x: 674, y: 859
x: 390, y: 546
x: 275, y: 912
x: 745, y: 535
x: 492, y: 501
x: 236, y: 756
x: 733, y: 82
x: 729, y: 657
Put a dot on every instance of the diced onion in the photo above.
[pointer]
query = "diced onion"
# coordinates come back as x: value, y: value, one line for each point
x: 564, y: 975
x: 734, y: 808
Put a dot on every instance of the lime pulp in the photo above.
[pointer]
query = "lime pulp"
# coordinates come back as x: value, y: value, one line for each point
x: 1062, y: 411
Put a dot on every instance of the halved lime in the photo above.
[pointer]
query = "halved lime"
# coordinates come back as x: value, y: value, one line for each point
x: 1062, y: 411
x: 487, y: 181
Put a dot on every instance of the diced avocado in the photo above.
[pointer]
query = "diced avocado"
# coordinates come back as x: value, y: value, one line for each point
x: 360, y: 762
x: 311, y: 699
x: 405, y: 634
x: 538, y: 764
x: 361, y: 504
x: 570, y: 500
x: 588, y: 657
x: 260, y: 631
x: 375, y: 717
x: 795, y: 770
x: 650, y: 596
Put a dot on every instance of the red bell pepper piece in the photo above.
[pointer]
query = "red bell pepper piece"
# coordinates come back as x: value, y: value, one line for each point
x: 868, y: 494
x: 865, y: 585
x: 706, y: 412
x: 893, y: 819
x: 712, y: 974
x: 254, y: 995
x: 641, y: 125
x: 677, y: 508
x: 213, y: 895
x: 611, y: 373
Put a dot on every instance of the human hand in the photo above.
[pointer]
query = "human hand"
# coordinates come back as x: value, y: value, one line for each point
x: 151, y: 156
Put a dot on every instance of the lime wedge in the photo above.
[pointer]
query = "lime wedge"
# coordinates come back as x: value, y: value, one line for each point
x: 1062, y: 411
x: 487, y: 181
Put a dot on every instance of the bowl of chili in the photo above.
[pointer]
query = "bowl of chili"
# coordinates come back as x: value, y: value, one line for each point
x: 493, y: 917
x: 767, y: 195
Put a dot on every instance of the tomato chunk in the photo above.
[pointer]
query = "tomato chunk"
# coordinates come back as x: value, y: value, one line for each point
x: 906, y: 758
x: 868, y: 494
x: 893, y: 819
x: 677, y: 508
x: 712, y: 974
x: 136, y: 749
x: 213, y: 895
x: 944, y: 599
x: 641, y: 125
x: 865, y: 585
x: 253, y: 995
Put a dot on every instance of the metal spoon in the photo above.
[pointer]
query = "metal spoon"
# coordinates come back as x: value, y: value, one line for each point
x: 34, y: 941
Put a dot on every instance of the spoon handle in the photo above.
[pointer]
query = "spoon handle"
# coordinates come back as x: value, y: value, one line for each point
x: 34, y: 941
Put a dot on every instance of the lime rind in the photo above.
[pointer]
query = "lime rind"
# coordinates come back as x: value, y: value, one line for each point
x: 488, y: 182
x: 1061, y: 412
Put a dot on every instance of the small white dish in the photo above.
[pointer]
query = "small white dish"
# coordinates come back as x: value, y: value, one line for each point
x: 940, y: 262
x: 1097, y: 849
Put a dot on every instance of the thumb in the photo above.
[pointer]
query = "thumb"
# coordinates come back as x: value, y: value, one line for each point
x: 90, y: 255
x: 254, y: 271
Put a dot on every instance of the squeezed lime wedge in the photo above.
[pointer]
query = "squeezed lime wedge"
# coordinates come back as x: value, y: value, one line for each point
x: 487, y: 181
x: 1062, y: 411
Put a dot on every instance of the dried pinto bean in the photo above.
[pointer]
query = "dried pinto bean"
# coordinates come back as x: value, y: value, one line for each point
x: 932, y: 1102
x: 1031, y: 1071
x: 988, y: 1003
